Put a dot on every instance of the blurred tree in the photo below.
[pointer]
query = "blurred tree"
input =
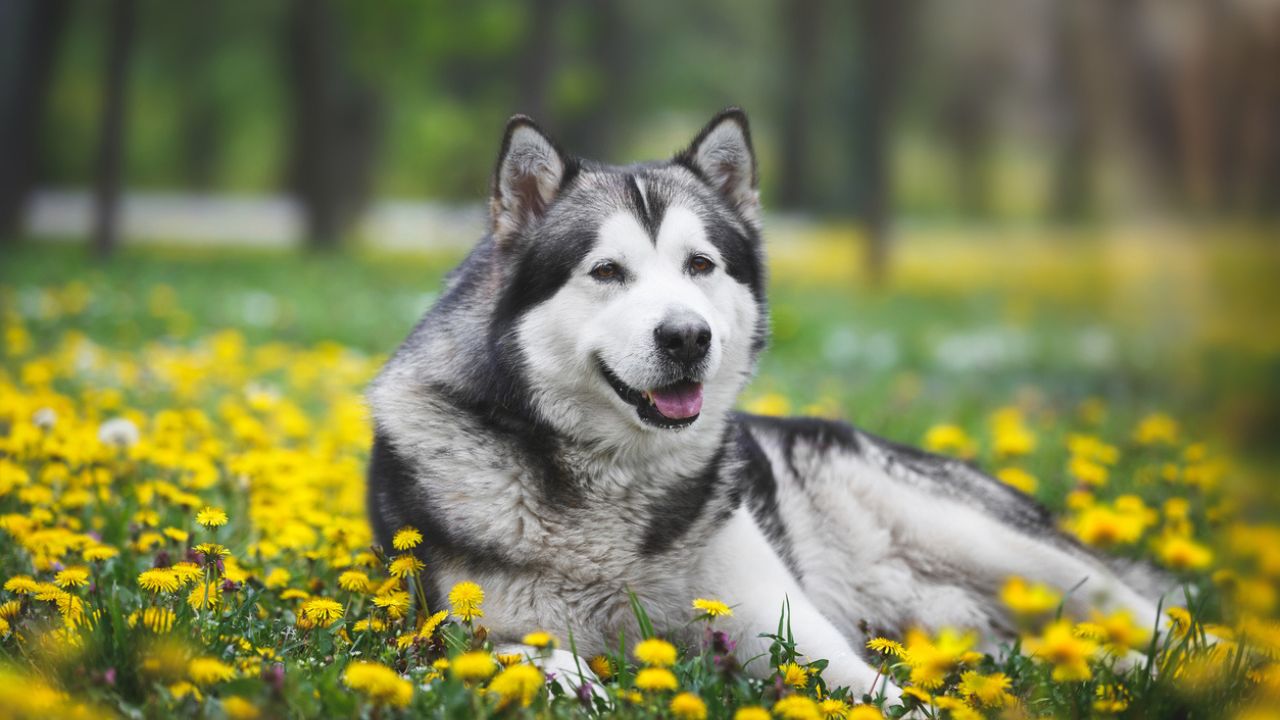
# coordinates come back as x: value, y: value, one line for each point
x: 880, y: 29
x: 611, y: 60
x: 1075, y: 123
x: 336, y: 126
x: 111, y: 140
x: 201, y: 116
x: 31, y: 33
x: 801, y: 27
x: 538, y: 58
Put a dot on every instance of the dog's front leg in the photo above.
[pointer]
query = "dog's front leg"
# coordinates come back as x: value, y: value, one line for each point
x: 742, y: 569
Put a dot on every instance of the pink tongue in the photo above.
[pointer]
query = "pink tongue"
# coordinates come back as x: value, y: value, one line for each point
x: 679, y: 401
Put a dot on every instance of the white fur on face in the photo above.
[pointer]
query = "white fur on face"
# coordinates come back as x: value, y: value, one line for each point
x: 615, y: 321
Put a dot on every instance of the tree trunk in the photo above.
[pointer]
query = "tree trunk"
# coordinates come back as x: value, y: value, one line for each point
x: 802, y: 19
x: 111, y: 143
x: 537, y: 59
x: 32, y: 30
x: 336, y: 127
x: 880, y: 27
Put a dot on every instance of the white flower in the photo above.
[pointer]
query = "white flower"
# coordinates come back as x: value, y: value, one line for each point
x: 45, y: 418
x: 118, y: 431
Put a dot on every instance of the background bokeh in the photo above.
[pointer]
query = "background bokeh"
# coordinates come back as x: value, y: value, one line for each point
x: 1040, y: 235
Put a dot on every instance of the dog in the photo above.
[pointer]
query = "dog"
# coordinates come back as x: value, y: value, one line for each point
x: 560, y: 426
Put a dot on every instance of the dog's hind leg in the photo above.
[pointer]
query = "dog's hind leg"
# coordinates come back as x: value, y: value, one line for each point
x: 741, y: 568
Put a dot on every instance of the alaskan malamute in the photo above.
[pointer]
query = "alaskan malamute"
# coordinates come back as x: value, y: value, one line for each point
x: 560, y: 427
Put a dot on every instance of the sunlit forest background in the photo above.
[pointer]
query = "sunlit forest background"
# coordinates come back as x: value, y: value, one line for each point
x: 216, y: 219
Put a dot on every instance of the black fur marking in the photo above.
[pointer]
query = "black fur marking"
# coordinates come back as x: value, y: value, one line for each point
x: 396, y: 499
x: 671, y: 516
x: 642, y: 210
x: 820, y: 434
x: 758, y: 486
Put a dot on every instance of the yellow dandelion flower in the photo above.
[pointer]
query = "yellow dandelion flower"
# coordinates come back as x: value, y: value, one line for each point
x: 396, y: 603
x: 186, y: 572
x: 211, y: 517
x: 987, y: 690
x: 4, y: 628
x: 518, y: 683
x: 539, y: 639
x: 405, y: 566
x: 72, y: 577
x: 212, y: 550
x: 751, y: 712
x: 797, y: 707
x: 832, y: 708
x: 158, y: 580
x: 1019, y: 479
x: 509, y: 659
x: 1179, y: 620
x: 601, y: 666
x: 21, y: 585
x: 688, y: 706
x: 378, y: 683
x: 10, y: 609
x: 465, y: 599
x: 1028, y: 599
x: 207, y: 671
x: 158, y: 620
x: 183, y: 689
x: 886, y: 647
x: 473, y: 666
x: 98, y: 553
x: 793, y: 675
x: 322, y: 611
x: 406, y: 538
x: 205, y: 596
x: 656, y: 652
x: 950, y: 440
x: 1182, y: 553
x: 654, y: 679
x: 431, y: 623
x: 932, y: 658
x: 1062, y: 648
x: 917, y: 694
x: 176, y: 534
x: 277, y: 578
x: 238, y: 708
x: 712, y: 608
x: 1156, y: 429
x: 1087, y: 471
x: 354, y: 581
x: 865, y: 712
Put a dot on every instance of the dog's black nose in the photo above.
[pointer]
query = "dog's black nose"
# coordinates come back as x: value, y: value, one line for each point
x: 684, y: 338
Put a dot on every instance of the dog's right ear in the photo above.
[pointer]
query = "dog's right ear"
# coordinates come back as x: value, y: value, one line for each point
x: 531, y: 171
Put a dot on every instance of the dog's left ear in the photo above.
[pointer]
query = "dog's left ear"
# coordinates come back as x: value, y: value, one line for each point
x: 531, y: 171
x: 722, y: 156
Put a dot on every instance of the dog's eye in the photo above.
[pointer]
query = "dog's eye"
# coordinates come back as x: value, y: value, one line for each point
x: 700, y: 265
x: 606, y: 271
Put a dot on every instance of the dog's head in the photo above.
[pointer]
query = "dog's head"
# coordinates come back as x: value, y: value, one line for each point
x: 633, y: 297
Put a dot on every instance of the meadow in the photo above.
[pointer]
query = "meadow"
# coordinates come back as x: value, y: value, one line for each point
x: 183, y: 439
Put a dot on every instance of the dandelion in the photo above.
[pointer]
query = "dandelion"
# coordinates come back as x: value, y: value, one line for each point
x: 987, y: 690
x: 832, y: 708
x: 406, y: 538
x: 205, y: 596
x: 932, y: 659
x: 793, y: 675
x: 176, y: 535
x: 472, y: 666
x: 539, y: 640
x: 688, y: 706
x: 656, y: 652
x: 207, y: 671
x: 21, y: 585
x: 1182, y: 553
x: 72, y: 577
x: 950, y: 440
x: 1156, y: 429
x: 1027, y: 599
x: 354, y: 581
x: 405, y: 566
x: 465, y: 599
x: 211, y: 517
x: 751, y: 712
x: 378, y: 683
x: 656, y: 679
x: 4, y: 627
x: 712, y: 608
x: 158, y: 580
x: 1179, y: 620
x: 517, y: 684
x: 797, y: 707
x: 98, y: 553
x: 212, y: 550
x: 238, y: 708
x: 601, y: 666
x: 865, y: 712
x: 158, y: 620
x: 886, y: 647
x: 322, y: 611
x: 396, y: 603
x: 1018, y: 478
x: 1065, y: 650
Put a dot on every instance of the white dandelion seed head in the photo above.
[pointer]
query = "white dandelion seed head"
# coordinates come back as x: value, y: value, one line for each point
x: 119, y: 431
x: 45, y: 418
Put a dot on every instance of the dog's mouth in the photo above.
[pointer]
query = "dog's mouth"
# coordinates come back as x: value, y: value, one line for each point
x: 670, y: 406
